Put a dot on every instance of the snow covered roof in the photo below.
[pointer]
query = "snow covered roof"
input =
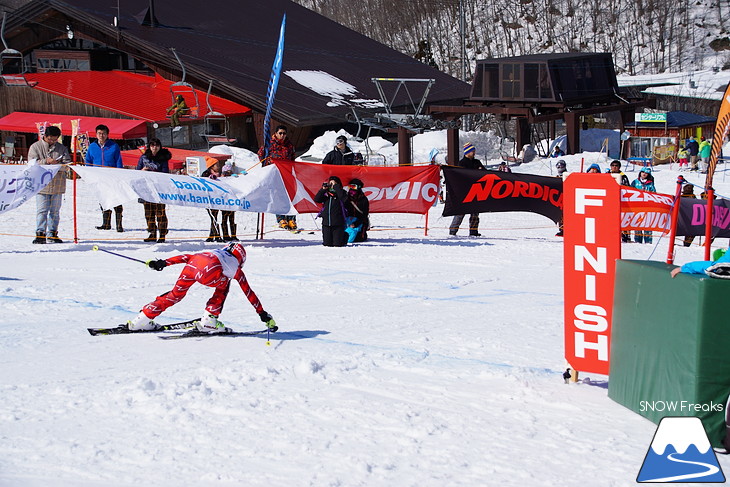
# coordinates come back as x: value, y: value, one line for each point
x: 706, y: 84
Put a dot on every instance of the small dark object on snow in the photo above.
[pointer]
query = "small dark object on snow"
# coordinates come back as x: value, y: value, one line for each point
x: 566, y: 375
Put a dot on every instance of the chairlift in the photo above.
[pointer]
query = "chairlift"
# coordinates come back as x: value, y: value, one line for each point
x: 185, y: 90
x: 216, y: 126
x: 12, y: 57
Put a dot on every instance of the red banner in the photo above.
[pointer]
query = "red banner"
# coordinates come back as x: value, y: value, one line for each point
x: 643, y: 210
x: 404, y: 189
x: 592, y: 245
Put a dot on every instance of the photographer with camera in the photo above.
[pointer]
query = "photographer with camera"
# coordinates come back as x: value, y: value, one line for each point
x: 333, y: 213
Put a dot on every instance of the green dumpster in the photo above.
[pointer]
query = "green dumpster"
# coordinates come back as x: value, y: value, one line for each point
x: 670, y: 344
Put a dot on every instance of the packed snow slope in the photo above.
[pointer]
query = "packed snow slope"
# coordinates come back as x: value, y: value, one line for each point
x: 408, y: 360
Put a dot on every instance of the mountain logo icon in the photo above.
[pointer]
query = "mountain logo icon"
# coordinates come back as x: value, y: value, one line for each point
x: 680, y: 452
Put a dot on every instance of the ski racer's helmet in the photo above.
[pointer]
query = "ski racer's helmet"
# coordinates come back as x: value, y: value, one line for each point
x: 237, y: 250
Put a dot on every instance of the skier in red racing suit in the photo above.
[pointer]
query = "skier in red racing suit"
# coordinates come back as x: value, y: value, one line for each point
x: 213, y: 269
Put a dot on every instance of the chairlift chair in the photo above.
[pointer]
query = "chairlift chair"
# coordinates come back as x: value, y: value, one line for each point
x: 10, y: 56
x: 216, y: 126
x: 187, y: 91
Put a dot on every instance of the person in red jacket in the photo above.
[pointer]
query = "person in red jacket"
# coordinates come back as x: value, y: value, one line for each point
x: 280, y: 147
x: 214, y: 269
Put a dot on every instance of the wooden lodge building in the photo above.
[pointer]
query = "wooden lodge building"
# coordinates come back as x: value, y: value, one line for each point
x: 82, y: 58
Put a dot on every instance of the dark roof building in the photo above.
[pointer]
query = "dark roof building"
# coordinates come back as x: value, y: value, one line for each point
x: 327, y: 68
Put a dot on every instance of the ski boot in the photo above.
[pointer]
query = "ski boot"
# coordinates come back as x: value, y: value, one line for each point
x: 141, y: 322
x: 210, y: 324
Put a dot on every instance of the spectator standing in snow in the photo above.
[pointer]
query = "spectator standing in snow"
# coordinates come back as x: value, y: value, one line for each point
x: 469, y: 161
x: 49, y: 150
x: 341, y: 155
x: 228, y: 218
x: 213, y: 171
x: 281, y: 148
x: 213, y: 269
x: 622, y: 180
x: 683, y: 157
x: 504, y: 167
x: 106, y: 153
x: 694, y: 149
x: 594, y: 169
x: 688, y: 191
x: 358, y: 210
x: 333, y: 213
x: 645, y: 182
x: 705, y: 150
x: 155, y: 159
x: 557, y: 152
x: 562, y: 170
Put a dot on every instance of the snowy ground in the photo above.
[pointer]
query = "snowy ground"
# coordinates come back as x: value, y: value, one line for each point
x: 408, y: 360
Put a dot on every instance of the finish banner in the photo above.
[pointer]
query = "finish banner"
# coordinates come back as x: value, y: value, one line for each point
x: 644, y: 210
x: 477, y: 191
x: 403, y: 189
x: 592, y: 244
x: 693, y: 215
x: 259, y: 191
x: 20, y: 183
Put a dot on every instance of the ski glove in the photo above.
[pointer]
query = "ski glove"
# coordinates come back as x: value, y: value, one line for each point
x: 157, y: 265
x: 269, y: 320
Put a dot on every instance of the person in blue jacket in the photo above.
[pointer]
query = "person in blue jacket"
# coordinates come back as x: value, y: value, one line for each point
x: 105, y: 153
x: 701, y: 266
x: 645, y: 182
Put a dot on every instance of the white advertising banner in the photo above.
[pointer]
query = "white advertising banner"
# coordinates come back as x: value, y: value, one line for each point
x: 260, y: 191
x: 20, y: 183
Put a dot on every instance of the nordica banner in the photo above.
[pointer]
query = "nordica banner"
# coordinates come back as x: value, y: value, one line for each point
x: 20, y: 183
x: 259, y: 191
x: 404, y: 189
x: 476, y: 191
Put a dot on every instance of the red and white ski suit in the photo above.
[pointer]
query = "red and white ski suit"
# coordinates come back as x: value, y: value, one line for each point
x: 206, y: 269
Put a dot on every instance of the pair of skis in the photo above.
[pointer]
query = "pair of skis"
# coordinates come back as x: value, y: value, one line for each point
x: 182, y: 325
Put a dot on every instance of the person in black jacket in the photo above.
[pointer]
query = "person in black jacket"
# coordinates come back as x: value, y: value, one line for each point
x: 156, y: 159
x: 358, y: 210
x: 468, y: 162
x: 341, y: 155
x: 333, y: 213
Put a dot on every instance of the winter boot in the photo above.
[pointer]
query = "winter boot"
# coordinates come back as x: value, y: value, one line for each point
x: 141, y: 323
x: 233, y: 232
x: 106, y: 220
x: 40, y: 238
x: 53, y: 238
x: 224, y: 231
x: 292, y: 224
x: 210, y: 324
x: 213, y: 235
x: 153, y: 237
x: 118, y: 215
x: 162, y: 238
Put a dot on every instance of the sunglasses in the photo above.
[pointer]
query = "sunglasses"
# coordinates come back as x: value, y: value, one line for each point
x: 280, y: 133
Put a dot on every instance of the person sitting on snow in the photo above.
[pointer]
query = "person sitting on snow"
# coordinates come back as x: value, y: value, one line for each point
x: 213, y: 269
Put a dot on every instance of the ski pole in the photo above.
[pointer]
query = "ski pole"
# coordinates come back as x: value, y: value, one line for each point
x: 96, y: 247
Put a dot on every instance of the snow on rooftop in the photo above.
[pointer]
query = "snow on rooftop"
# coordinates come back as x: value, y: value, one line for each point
x: 705, y: 84
x: 340, y: 92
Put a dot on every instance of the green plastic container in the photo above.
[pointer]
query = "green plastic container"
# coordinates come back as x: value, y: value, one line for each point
x: 670, y: 344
